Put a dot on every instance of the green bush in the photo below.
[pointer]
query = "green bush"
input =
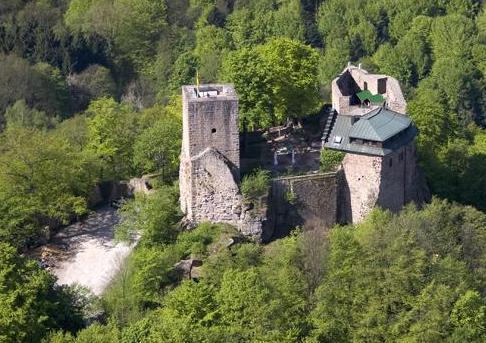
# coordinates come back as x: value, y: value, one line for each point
x: 330, y: 159
x: 256, y: 184
x: 156, y: 217
x: 196, y: 242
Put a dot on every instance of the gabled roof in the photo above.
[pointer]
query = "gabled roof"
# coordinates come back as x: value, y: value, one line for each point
x: 367, y: 95
x: 379, y: 125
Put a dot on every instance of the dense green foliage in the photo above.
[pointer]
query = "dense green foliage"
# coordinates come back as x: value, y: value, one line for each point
x: 89, y: 93
x: 30, y: 303
x: 330, y: 159
x: 157, y: 148
x: 413, y: 277
x: 154, y: 216
x: 275, y: 81
x: 48, y: 172
x: 43, y: 179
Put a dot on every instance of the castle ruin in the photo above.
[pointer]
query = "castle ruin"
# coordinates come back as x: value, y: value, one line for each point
x: 210, y: 159
x: 368, y: 122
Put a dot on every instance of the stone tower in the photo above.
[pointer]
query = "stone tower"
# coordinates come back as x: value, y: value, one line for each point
x: 210, y: 156
x: 370, y: 124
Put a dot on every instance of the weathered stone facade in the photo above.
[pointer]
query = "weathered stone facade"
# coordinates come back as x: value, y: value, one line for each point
x: 360, y: 186
x: 307, y: 201
x: 210, y: 160
x: 389, y: 182
x: 214, y: 194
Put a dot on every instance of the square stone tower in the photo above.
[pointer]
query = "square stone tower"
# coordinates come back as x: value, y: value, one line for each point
x: 210, y: 156
x: 210, y: 119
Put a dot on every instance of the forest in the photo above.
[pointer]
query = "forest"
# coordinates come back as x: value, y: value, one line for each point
x: 90, y: 93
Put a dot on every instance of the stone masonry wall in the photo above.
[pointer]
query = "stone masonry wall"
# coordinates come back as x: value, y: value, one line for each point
x: 394, y: 96
x: 208, y: 123
x: 216, y: 196
x: 211, y: 122
x: 389, y: 182
x: 360, y: 186
x: 308, y: 201
x: 392, y: 184
x: 341, y: 91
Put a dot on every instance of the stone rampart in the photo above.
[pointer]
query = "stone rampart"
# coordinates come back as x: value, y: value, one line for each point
x: 308, y: 201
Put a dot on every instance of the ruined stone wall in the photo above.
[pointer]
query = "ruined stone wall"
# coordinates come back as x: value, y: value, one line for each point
x: 361, y: 76
x: 208, y: 123
x: 360, y: 186
x: 336, y: 95
x: 216, y: 196
x: 342, y: 89
x: 308, y: 201
x: 394, y: 96
x: 185, y: 186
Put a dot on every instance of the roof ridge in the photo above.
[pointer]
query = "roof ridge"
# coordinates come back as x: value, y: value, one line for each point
x: 370, y: 114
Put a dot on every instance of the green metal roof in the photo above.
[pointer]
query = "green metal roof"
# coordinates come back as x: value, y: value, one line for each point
x: 363, y: 95
x: 379, y: 125
x: 367, y: 95
x: 377, y: 99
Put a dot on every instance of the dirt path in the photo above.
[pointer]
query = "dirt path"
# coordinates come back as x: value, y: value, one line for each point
x: 91, y: 257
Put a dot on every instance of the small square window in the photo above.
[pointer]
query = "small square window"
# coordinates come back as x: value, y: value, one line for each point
x: 338, y: 139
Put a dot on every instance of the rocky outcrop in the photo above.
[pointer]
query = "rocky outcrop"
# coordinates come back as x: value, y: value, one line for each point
x: 140, y: 185
x: 188, y: 269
